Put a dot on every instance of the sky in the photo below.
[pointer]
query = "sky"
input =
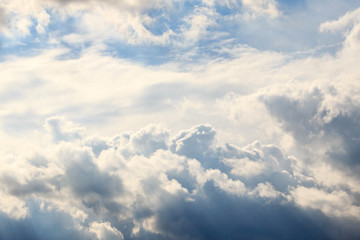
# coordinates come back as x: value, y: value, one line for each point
x: 176, y: 119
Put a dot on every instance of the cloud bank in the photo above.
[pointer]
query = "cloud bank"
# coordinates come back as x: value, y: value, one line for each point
x: 144, y: 184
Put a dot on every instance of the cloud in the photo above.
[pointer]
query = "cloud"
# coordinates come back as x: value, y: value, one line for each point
x: 137, y: 4
x: 321, y: 117
x: 145, y: 142
x: 241, y: 143
x: 175, y: 24
x: 167, y: 191
x: 344, y: 22
x: 348, y: 26
x: 105, y: 231
x: 41, y: 223
x: 62, y: 130
x: 128, y: 21
x: 193, y: 143
x: 334, y: 203
x: 262, y: 7
x: 3, y: 22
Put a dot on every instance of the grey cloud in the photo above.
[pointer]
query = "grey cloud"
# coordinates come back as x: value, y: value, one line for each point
x: 267, y: 161
x: 38, y: 161
x: 97, y: 145
x: 189, y: 190
x: 296, y: 115
x: 347, y: 128
x: 41, y: 223
x: 144, y: 142
x: 220, y: 216
x: 193, y: 143
x: 21, y: 122
x: 149, y: 139
x: 84, y: 176
x: 36, y: 186
x: 3, y: 18
x: 62, y: 130
x: 312, y: 122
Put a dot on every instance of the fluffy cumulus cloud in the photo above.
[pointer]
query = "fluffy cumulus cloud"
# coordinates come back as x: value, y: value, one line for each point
x: 179, y: 120
x: 146, y: 184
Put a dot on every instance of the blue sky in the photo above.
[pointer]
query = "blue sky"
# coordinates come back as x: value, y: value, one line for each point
x: 293, y: 27
x: 170, y: 119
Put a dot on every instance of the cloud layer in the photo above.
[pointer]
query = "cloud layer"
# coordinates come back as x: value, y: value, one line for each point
x: 143, y: 184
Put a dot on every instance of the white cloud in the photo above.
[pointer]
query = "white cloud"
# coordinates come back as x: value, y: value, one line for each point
x: 104, y: 231
x: 244, y: 167
x: 348, y: 25
x: 337, y: 203
x: 344, y: 23
x: 62, y: 130
x: 266, y: 190
x: 131, y: 22
x: 262, y: 7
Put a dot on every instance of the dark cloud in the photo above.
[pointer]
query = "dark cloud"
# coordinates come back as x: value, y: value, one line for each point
x: 41, y: 223
x: 297, y: 115
x: 221, y: 216
x: 313, y: 122
x: 37, y: 186
x: 136, y: 187
x: 85, y: 177
x: 347, y: 127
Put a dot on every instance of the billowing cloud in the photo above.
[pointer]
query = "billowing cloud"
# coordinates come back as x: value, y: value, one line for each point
x: 184, y: 188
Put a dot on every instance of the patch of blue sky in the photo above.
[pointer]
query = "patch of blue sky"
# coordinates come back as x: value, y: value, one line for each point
x: 27, y: 45
x: 170, y: 19
x: 155, y: 54
x: 35, y: 42
x: 61, y: 27
x: 190, y: 5
x: 74, y: 50
x: 161, y: 23
x: 223, y: 9
x: 288, y: 33
x: 147, y: 54
x: 22, y: 44
x: 296, y: 31
x: 283, y: 4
